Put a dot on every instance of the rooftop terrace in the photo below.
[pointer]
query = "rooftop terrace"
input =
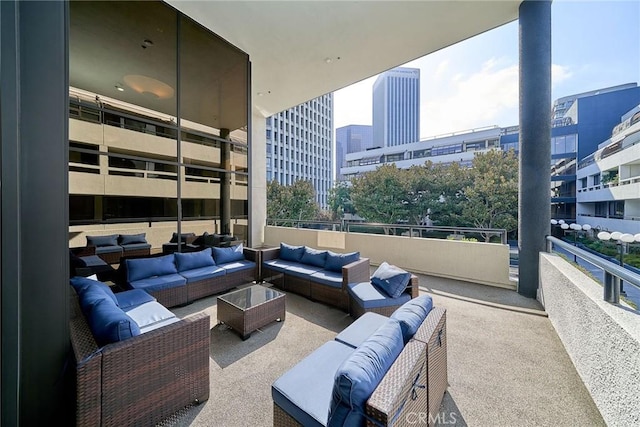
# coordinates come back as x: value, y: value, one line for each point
x: 507, y: 366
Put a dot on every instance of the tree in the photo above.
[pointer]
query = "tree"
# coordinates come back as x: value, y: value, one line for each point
x: 382, y: 195
x: 340, y: 200
x: 297, y: 201
x: 492, y: 198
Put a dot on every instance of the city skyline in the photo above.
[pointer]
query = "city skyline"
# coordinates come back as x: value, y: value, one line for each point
x: 474, y: 83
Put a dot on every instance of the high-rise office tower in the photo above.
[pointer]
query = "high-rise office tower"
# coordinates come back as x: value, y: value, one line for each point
x: 396, y: 107
x: 300, y: 145
x: 351, y: 139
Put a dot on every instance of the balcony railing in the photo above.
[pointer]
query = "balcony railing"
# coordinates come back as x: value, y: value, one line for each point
x: 419, y: 231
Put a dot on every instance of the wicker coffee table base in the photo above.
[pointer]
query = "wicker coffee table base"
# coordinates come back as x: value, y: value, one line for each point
x: 244, y: 322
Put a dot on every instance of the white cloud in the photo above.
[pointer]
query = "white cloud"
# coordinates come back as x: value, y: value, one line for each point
x: 559, y: 73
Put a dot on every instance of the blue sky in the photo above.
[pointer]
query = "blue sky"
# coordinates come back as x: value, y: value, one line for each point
x: 595, y: 44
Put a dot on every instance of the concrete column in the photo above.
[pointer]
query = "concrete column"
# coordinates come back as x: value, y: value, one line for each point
x: 225, y: 184
x: 535, y: 140
x: 257, y: 179
x: 34, y: 226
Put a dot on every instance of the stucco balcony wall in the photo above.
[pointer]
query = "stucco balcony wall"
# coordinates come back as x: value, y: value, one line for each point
x: 485, y: 263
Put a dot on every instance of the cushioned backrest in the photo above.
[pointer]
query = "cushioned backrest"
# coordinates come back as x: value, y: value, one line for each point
x: 111, y: 240
x: 183, y: 237
x: 291, y: 253
x: 391, y: 279
x: 190, y: 260
x: 360, y: 374
x: 109, y: 323
x: 142, y: 268
x: 335, y: 261
x: 313, y: 257
x: 81, y: 284
x: 411, y: 315
x: 127, y: 239
x: 230, y: 254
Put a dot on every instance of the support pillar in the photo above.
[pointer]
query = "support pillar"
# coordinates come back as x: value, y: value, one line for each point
x: 534, y: 211
x: 225, y: 184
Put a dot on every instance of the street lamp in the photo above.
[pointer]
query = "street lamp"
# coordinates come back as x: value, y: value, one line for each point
x: 622, y: 241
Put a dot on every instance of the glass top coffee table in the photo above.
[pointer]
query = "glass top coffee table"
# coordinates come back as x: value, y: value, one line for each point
x: 250, y: 308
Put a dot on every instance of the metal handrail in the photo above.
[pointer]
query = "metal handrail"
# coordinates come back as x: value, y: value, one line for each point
x: 613, y: 273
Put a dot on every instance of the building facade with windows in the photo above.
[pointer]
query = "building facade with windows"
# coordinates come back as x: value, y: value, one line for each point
x: 396, y: 107
x: 351, y: 139
x: 459, y: 147
x: 608, y: 181
x: 300, y: 146
x: 580, y: 123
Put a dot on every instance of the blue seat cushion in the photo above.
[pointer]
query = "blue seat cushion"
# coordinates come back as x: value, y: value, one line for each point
x: 411, y: 315
x: 391, y: 279
x: 81, y: 284
x: 128, y: 239
x: 369, y: 296
x: 135, y: 246
x: 230, y: 254
x: 97, y: 241
x: 280, y: 264
x: 158, y: 283
x: 133, y: 298
x: 364, y: 326
x: 290, y: 252
x: 142, y: 268
x: 302, y: 270
x: 335, y: 261
x: 361, y: 372
x: 329, y: 278
x: 310, y: 405
x: 94, y: 261
x: 203, y: 273
x: 108, y: 249
x: 192, y: 260
x: 313, y: 257
x: 232, y: 267
x: 109, y: 324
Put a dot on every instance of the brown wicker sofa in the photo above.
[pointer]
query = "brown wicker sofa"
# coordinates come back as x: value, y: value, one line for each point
x: 406, y: 389
x: 316, y: 281
x: 140, y: 380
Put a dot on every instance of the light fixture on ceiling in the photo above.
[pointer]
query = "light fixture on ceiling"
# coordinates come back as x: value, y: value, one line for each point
x: 329, y: 60
x: 264, y: 93
x: 149, y: 86
x: 119, y: 87
x: 146, y: 43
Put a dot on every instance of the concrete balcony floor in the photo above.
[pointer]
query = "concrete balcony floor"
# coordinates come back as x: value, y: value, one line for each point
x: 507, y: 366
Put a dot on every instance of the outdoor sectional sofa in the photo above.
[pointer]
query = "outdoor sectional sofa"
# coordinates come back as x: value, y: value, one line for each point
x: 181, y: 278
x: 378, y: 371
x: 319, y: 275
x: 136, y: 363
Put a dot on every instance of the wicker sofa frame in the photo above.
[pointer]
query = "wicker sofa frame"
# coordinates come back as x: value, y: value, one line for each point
x: 141, y: 380
x: 355, y: 310
x: 357, y: 271
x: 400, y: 398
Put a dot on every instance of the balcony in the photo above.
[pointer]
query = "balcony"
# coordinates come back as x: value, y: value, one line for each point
x: 506, y: 364
x: 510, y: 361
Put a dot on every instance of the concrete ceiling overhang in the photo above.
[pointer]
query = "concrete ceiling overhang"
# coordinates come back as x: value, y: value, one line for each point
x: 294, y: 46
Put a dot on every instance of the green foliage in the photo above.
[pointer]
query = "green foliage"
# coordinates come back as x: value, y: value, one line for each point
x: 492, y: 196
x: 340, y: 200
x: 297, y: 201
x: 382, y: 195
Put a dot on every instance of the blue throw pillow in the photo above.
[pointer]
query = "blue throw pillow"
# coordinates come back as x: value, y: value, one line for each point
x: 315, y: 257
x: 291, y: 253
x: 127, y: 239
x: 80, y: 284
x: 190, y: 260
x: 335, y: 262
x: 359, y: 375
x: 230, y: 254
x: 109, y: 323
x: 142, y: 268
x: 411, y: 315
x: 98, y: 241
x: 391, y: 279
